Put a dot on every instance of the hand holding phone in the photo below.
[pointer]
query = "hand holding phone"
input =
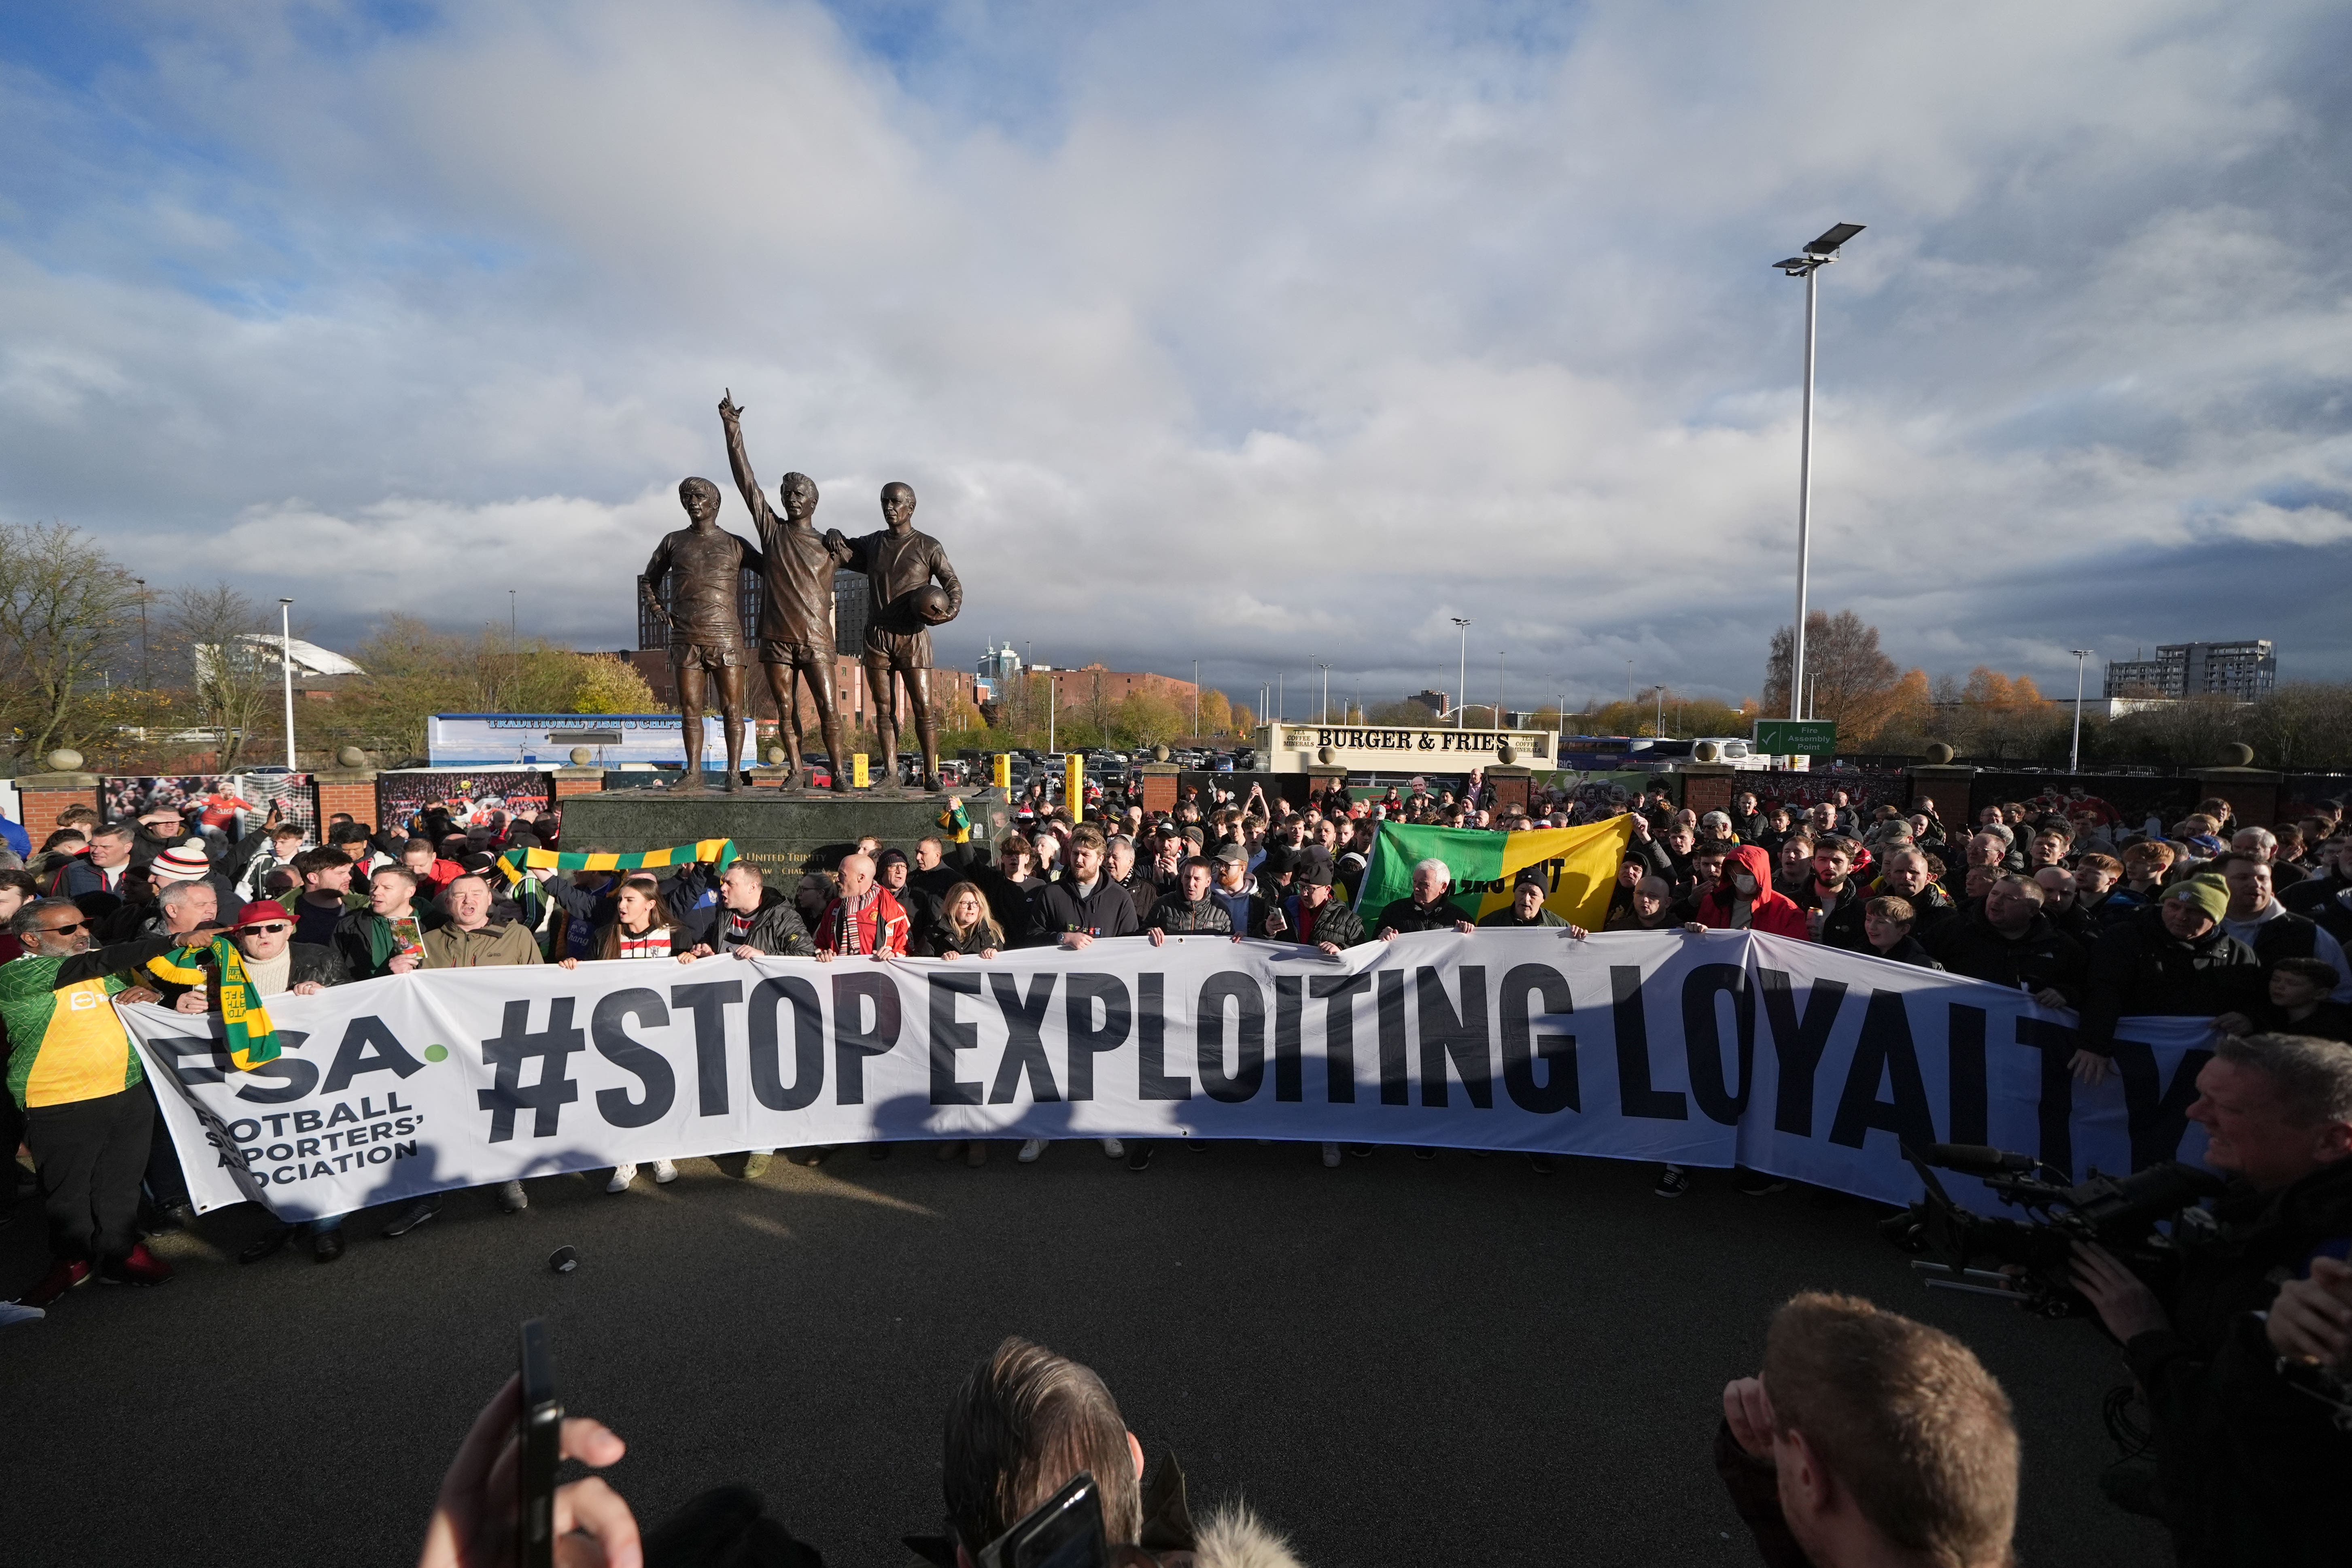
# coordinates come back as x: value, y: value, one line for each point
x: 1065, y: 1530
x: 480, y: 1517
x: 540, y: 1432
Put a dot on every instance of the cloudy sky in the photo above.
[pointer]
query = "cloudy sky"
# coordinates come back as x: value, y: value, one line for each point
x: 1246, y: 333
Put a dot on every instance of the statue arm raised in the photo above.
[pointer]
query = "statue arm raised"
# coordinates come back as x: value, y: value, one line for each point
x: 747, y: 483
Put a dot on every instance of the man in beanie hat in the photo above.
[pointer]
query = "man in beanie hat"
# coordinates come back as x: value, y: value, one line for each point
x: 2174, y: 958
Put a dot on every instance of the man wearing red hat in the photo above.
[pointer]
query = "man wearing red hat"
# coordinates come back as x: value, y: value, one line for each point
x: 269, y: 962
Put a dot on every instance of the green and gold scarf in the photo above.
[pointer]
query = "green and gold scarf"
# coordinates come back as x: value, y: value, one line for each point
x: 246, y: 1022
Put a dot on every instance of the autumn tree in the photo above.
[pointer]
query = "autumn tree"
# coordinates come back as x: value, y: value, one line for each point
x: 1848, y: 679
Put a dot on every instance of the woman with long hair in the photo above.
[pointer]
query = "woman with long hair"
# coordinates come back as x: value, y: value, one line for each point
x: 642, y: 927
x: 965, y: 925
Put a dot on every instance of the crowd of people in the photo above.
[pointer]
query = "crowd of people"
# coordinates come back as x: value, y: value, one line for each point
x: 2239, y: 923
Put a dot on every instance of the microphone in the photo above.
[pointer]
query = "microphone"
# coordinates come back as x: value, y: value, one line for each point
x: 1977, y: 1159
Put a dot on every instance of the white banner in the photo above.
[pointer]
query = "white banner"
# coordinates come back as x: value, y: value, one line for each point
x: 1711, y: 1050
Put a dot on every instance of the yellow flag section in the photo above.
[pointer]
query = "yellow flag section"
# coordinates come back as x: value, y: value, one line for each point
x: 1578, y: 866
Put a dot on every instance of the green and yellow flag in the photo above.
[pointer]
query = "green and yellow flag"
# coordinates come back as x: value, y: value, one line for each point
x: 514, y: 862
x: 246, y: 1022
x: 1579, y: 866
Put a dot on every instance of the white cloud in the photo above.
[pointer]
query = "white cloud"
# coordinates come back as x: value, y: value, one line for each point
x: 1242, y: 343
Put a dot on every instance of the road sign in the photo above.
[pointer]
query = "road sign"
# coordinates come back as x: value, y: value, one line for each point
x: 1796, y: 737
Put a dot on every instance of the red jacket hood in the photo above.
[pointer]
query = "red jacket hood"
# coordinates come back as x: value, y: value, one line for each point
x: 1758, y: 864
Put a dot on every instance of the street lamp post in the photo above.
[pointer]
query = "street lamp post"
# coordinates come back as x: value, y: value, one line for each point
x: 513, y: 635
x: 1196, y: 700
x: 286, y: 669
x: 1462, y: 680
x: 143, y: 632
x: 1325, y: 669
x: 2075, y: 757
x: 1817, y: 255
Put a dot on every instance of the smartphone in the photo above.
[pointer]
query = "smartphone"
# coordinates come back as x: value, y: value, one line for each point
x: 1275, y: 923
x: 1065, y: 1530
x: 540, y: 1433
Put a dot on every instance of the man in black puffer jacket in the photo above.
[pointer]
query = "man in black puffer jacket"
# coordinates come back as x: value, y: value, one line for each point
x: 2009, y: 942
x: 2174, y: 958
x: 750, y: 919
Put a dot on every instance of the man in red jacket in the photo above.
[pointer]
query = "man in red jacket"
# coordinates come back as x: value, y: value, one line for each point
x: 865, y: 918
x: 1743, y: 898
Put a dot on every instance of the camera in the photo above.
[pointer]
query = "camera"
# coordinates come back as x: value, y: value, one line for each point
x: 2030, y: 1260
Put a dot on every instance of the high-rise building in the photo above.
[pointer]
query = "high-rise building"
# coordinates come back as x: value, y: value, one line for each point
x: 2243, y: 671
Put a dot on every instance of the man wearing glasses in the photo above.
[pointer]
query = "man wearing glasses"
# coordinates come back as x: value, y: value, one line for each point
x: 88, y: 1113
x: 275, y: 965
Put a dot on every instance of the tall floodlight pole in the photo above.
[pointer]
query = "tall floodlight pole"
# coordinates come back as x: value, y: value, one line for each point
x: 2075, y: 758
x: 1462, y: 680
x: 513, y: 634
x: 1808, y: 266
x: 1326, y: 702
x: 1502, y: 677
x: 1196, y: 700
x: 286, y: 668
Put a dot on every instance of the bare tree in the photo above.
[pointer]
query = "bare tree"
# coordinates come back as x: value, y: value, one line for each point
x: 66, y: 609
x: 232, y: 673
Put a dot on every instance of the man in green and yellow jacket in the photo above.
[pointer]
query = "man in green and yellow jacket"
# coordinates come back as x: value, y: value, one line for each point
x: 88, y: 1113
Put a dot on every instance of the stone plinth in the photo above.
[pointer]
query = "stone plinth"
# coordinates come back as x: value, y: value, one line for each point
x: 1510, y: 786
x: 1947, y: 785
x: 1155, y: 786
x: 44, y: 798
x: 1709, y: 786
x: 783, y: 834
x: 350, y: 790
x: 2252, y: 792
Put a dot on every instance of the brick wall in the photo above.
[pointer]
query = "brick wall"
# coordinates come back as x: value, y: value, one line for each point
x: 43, y: 805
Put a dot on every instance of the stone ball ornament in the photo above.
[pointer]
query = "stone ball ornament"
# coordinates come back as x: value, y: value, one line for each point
x: 65, y: 760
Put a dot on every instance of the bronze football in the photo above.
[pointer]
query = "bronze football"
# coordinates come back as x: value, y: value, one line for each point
x: 930, y: 602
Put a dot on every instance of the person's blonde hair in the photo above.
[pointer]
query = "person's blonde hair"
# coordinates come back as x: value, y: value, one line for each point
x: 992, y: 933
x: 1904, y: 1417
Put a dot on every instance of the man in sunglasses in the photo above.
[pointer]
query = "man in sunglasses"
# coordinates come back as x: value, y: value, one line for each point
x: 88, y: 1113
x: 275, y: 965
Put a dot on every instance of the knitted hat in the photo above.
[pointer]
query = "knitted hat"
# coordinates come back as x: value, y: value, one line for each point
x: 182, y: 863
x: 2208, y: 893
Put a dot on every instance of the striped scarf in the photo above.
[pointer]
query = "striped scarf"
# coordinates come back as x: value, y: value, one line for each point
x: 514, y: 862
x: 243, y: 1020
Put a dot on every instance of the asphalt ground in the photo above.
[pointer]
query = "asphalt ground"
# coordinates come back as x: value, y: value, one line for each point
x: 1398, y: 1361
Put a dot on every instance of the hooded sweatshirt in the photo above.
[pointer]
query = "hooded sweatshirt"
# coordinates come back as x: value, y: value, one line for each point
x: 1770, y: 911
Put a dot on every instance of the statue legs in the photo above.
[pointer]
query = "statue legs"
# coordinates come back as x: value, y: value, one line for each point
x: 818, y: 672
x: 883, y: 675
x: 691, y: 689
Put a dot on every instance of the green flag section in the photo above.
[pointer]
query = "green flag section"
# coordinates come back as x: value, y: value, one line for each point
x: 1580, y: 865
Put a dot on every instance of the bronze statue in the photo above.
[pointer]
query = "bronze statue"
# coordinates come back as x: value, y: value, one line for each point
x: 795, y: 633
x: 705, y: 628
x: 899, y: 564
